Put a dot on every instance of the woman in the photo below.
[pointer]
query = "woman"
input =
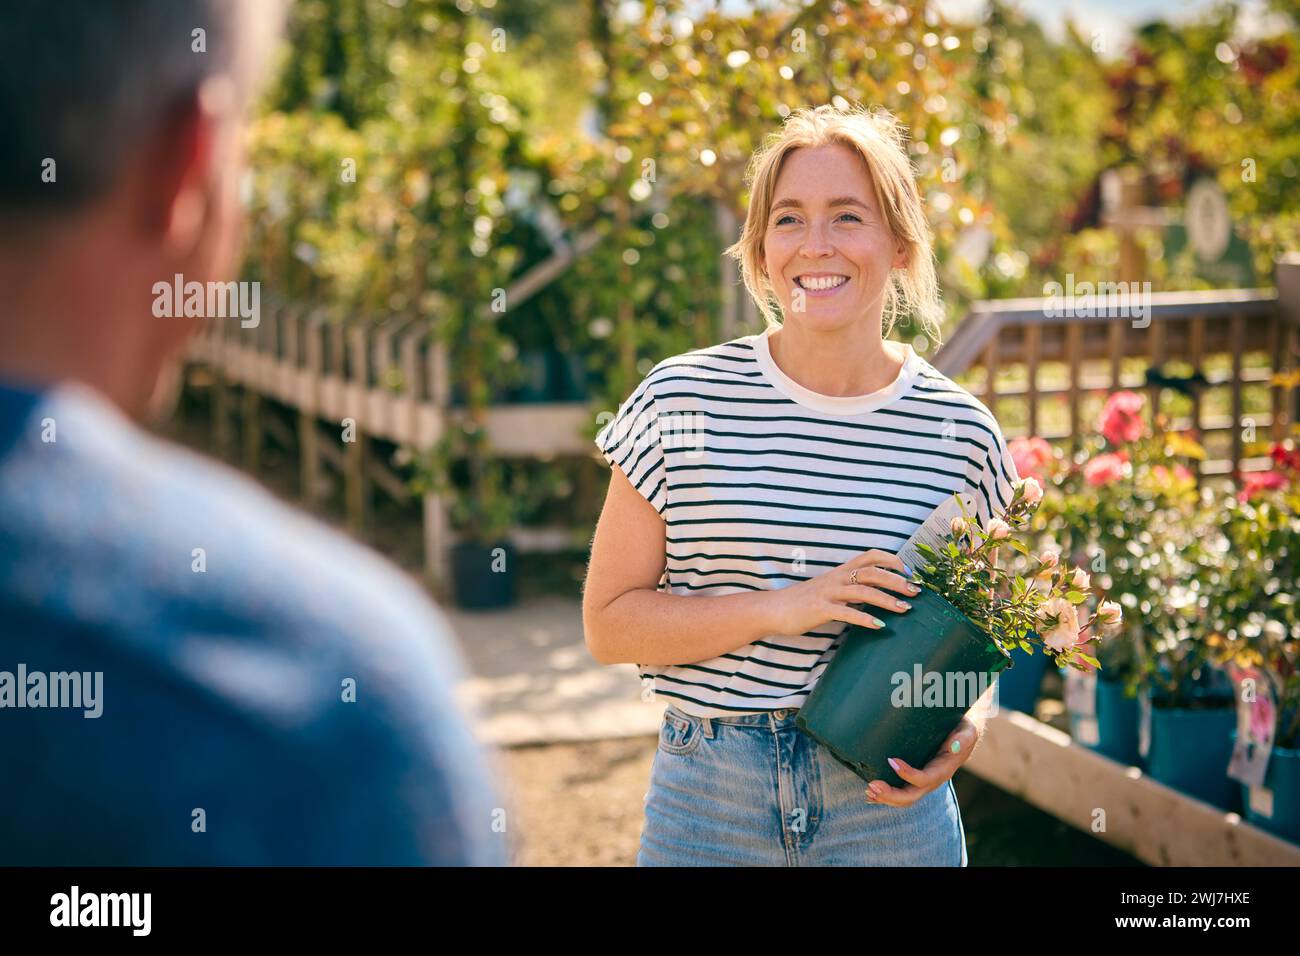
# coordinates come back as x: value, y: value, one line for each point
x: 760, y: 488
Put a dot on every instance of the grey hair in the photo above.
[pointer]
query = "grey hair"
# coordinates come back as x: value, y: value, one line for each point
x: 84, y: 81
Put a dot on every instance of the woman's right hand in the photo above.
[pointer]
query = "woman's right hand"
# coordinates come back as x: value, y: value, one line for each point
x: 801, y: 607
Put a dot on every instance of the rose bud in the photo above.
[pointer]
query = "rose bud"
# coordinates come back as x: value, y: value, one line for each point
x: 1033, y: 491
x: 1110, y: 613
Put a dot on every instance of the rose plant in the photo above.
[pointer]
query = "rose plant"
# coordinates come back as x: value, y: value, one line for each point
x: 1035, y: 606
x: 1129, y: 503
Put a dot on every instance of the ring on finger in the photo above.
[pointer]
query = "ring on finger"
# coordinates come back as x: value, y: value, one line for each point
x: 853, y: 576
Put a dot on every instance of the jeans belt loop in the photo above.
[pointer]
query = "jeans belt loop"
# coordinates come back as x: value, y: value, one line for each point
x: 708, y: 726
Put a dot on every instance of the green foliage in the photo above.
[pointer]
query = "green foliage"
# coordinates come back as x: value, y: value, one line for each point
x: 1255, y: 617
x: 1000, y: 601
x: 638, y: 127
x: 1141, y: 528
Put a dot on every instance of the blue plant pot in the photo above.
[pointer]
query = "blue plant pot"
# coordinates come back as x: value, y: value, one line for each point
x: 1117, y: 723
x: 1190, y: 750
x: 1283, y: 778
x: 1019, y: 684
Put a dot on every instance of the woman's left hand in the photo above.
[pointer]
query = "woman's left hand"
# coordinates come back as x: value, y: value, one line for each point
x: 935, y: 774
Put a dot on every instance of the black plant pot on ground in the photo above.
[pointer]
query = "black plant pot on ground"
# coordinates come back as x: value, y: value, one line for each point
x: 868, y: 706
x: 482, y: 575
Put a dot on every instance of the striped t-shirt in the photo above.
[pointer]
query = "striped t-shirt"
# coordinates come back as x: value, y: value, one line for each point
x: 763, y: 483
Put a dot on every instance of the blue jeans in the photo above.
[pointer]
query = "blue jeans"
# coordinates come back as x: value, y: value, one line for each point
x: 755, y: 790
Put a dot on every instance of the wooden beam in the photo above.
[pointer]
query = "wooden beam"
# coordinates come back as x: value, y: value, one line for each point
x: 1237, y: 322
x: 1032, y: 335
x: 1074, y: 338
x: 251, y: 424
x: 1161, y: 826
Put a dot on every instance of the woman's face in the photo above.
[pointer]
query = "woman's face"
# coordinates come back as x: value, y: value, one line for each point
x: 827, y: 247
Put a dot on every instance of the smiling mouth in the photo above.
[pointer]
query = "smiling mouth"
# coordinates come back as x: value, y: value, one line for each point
x: 820, y: 283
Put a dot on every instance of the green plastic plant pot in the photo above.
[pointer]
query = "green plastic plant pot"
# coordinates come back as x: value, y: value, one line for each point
x: 877, y: 698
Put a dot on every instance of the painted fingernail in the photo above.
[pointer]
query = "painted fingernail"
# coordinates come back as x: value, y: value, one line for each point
x: 907, y: 570
x: 956, y: 746
x: 902, y: 605
x: 914, y: 588
x: 877, y: 622
x: 893, y: 763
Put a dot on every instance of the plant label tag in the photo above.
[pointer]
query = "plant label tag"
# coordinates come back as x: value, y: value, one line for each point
x: 1144, y: 725
x: 1081, y: 692
x: 1261, y: 801
x: 1256, y: 726
x: 1087, y: 732
x: 935, y: 529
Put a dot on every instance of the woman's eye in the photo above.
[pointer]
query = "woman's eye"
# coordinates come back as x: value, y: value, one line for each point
x: 788, y: 218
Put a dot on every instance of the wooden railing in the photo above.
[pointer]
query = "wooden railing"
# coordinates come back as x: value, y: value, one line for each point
x: 390, y: 379
x: 1192, y: 329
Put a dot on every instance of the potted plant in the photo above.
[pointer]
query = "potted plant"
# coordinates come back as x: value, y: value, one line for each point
x: 1258, y: 629
x: 1122, y: 506
x: 483, y: 559
x: 1020, y: 684
x: 899, y: 690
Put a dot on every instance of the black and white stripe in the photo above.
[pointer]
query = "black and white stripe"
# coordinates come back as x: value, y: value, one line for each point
x: 762, y: 484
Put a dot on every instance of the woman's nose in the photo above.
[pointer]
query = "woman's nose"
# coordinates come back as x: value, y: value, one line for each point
x: 816, y: 242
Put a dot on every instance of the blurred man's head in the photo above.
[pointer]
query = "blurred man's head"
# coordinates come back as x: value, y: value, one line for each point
x: 120, y: 163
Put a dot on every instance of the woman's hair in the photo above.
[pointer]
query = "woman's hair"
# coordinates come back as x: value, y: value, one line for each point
x: 881, y: 142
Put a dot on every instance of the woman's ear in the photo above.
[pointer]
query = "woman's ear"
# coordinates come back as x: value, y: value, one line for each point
x: 900, y: 258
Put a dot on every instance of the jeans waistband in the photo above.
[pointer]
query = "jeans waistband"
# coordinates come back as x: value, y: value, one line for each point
x: 772, y: 719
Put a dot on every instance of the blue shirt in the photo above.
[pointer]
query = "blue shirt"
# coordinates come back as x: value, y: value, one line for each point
x: 230, y: 633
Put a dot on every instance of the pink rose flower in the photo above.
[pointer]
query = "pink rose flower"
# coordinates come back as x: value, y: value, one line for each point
x: 1260, y: 481
x: 1103, y: 469
x: 1032, y: 456
x: 1121, y: 419
x: 998, y: 529
x: 1049, y: 558
x: 1033, y: 490
x: 1064, y: 634
x: 1080, y: 579
x: 1110, y: 614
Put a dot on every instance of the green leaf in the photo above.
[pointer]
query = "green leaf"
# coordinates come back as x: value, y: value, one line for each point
x: 1076, y: 597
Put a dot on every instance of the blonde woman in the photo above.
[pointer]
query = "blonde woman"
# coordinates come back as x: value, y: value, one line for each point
x: 760, y: 488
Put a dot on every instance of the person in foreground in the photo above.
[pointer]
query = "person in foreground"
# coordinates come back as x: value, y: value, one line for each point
x: 759, y: 492
x: 190, y: 673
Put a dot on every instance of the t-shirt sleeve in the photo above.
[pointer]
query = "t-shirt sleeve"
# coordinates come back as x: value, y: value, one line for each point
x: 632, y: 442
x: 997, y: 476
